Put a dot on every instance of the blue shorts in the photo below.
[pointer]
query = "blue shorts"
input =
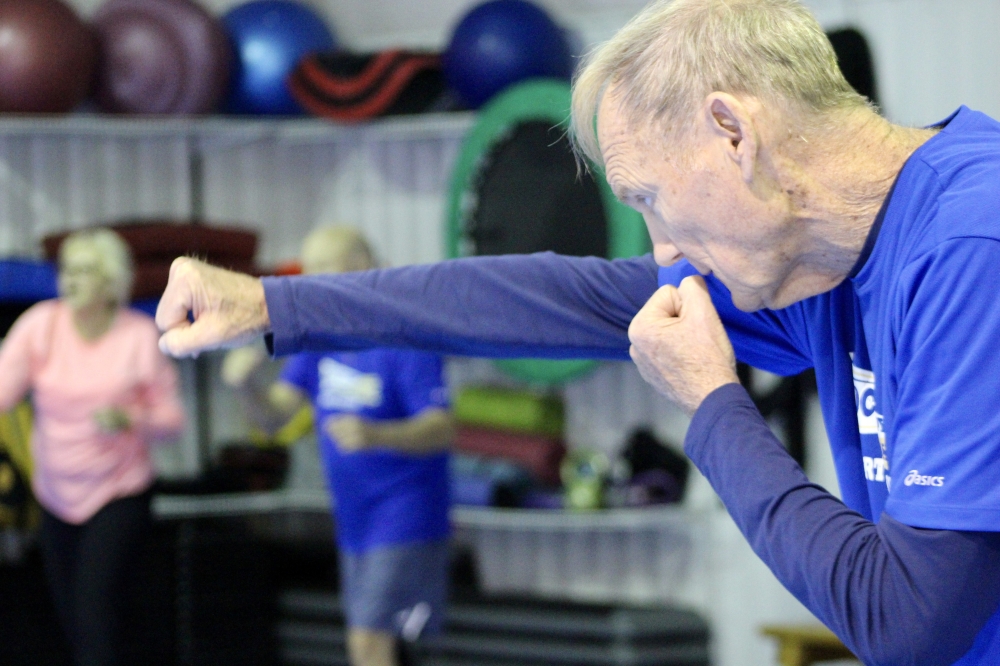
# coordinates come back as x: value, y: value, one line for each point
x: 400, y: 589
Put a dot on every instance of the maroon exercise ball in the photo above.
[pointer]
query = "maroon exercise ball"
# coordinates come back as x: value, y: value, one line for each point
x: 47, y: 57
x: 160, y: 57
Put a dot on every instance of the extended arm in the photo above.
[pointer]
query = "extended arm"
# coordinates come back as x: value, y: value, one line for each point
x: 154, y: 411
x: 429, y: 431
x: 542, y: 305
x: 894, y: 594
x: 161, y: 415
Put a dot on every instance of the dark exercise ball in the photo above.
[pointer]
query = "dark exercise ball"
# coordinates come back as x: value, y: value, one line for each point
x: 502, y: 42
x: 270, y: 37
x: 160, y: 56
x: 47, y: 57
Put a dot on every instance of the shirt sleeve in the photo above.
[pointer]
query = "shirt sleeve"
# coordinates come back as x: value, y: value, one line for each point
x: 155, y: 409
x: 944, y: 435
x: 163, y: 417
x: 419, y: 378
x: 772, y: 340
x: 894, y: 594
x: 540, y: 305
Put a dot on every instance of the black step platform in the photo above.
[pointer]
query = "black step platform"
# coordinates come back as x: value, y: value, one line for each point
x: 508, y: 632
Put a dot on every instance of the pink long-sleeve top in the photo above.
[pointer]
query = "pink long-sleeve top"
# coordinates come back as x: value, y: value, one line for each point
x: 78, y: 468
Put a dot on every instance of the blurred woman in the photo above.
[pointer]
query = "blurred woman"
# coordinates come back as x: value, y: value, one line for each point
x: 102, y: 393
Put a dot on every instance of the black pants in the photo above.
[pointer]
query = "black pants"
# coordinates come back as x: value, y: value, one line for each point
x: 87, y: 567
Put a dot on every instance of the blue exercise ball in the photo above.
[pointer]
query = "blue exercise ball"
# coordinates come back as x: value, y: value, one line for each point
x: 502, y: 42
x: 270, y: 37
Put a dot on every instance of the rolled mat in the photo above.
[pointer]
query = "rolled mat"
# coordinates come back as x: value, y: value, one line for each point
x: 151, y: 240
x: 354, y: 87
x: 507, y: 409
x: 26, y: 280
x: 539, y: 454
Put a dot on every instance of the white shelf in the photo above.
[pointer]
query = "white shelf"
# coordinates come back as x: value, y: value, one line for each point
x: 641, y: 555
x: 212, y: 129
x: 545, y: 520
x: 548, y: 520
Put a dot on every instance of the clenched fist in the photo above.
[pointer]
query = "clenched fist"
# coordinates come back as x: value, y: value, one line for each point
x: 228, y: 309
x: 680, y: 345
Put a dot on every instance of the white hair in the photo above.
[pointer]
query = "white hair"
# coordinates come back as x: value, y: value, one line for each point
x: 342, y: 241
x: 674, y: 53
x: 113, y: 254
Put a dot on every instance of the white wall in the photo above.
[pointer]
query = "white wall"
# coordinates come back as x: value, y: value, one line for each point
x: 930, y: 55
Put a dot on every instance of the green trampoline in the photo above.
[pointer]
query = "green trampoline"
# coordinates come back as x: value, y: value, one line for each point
x: 516, y: 189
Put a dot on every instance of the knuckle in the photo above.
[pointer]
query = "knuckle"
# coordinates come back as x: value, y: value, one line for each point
x: 181, y: 269
x: 639, y: 335
x: 634, y: 329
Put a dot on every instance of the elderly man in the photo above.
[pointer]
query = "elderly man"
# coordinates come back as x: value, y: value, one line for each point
x: 383, y: 431
x: 825, y: 236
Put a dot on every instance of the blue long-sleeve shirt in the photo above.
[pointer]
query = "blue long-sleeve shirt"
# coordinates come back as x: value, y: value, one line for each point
x: 895, y: 594
x: 543, y: 306
x: 907, y: 569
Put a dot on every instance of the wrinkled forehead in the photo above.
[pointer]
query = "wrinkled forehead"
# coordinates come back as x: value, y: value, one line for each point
x: 629, y: 138
x: 631, y: 148
x: 617, y: 131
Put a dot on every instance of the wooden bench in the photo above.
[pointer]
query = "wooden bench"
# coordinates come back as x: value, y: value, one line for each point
x: 802, y: 645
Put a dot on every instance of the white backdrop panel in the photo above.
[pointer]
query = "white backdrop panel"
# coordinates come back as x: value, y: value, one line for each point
x: 393, y: 191
x: 50, y: 182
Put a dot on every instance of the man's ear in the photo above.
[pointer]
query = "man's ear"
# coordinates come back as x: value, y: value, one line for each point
x: 729, y: 119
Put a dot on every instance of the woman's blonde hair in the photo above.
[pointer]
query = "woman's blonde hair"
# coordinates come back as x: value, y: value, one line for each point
x: 674, y: 53
x: 114, y: 256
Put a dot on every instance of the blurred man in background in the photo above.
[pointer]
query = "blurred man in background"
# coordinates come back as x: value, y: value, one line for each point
x: 384, y: 430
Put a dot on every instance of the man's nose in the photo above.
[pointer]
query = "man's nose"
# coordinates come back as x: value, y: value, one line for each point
x: 666, y: 253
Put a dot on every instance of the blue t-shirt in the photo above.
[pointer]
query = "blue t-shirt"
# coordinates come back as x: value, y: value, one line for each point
x: 903, y: 357
x: 382, y: 497
x: 907, y: 351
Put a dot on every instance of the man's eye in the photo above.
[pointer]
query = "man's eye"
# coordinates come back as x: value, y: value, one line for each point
x: 645, y: 201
